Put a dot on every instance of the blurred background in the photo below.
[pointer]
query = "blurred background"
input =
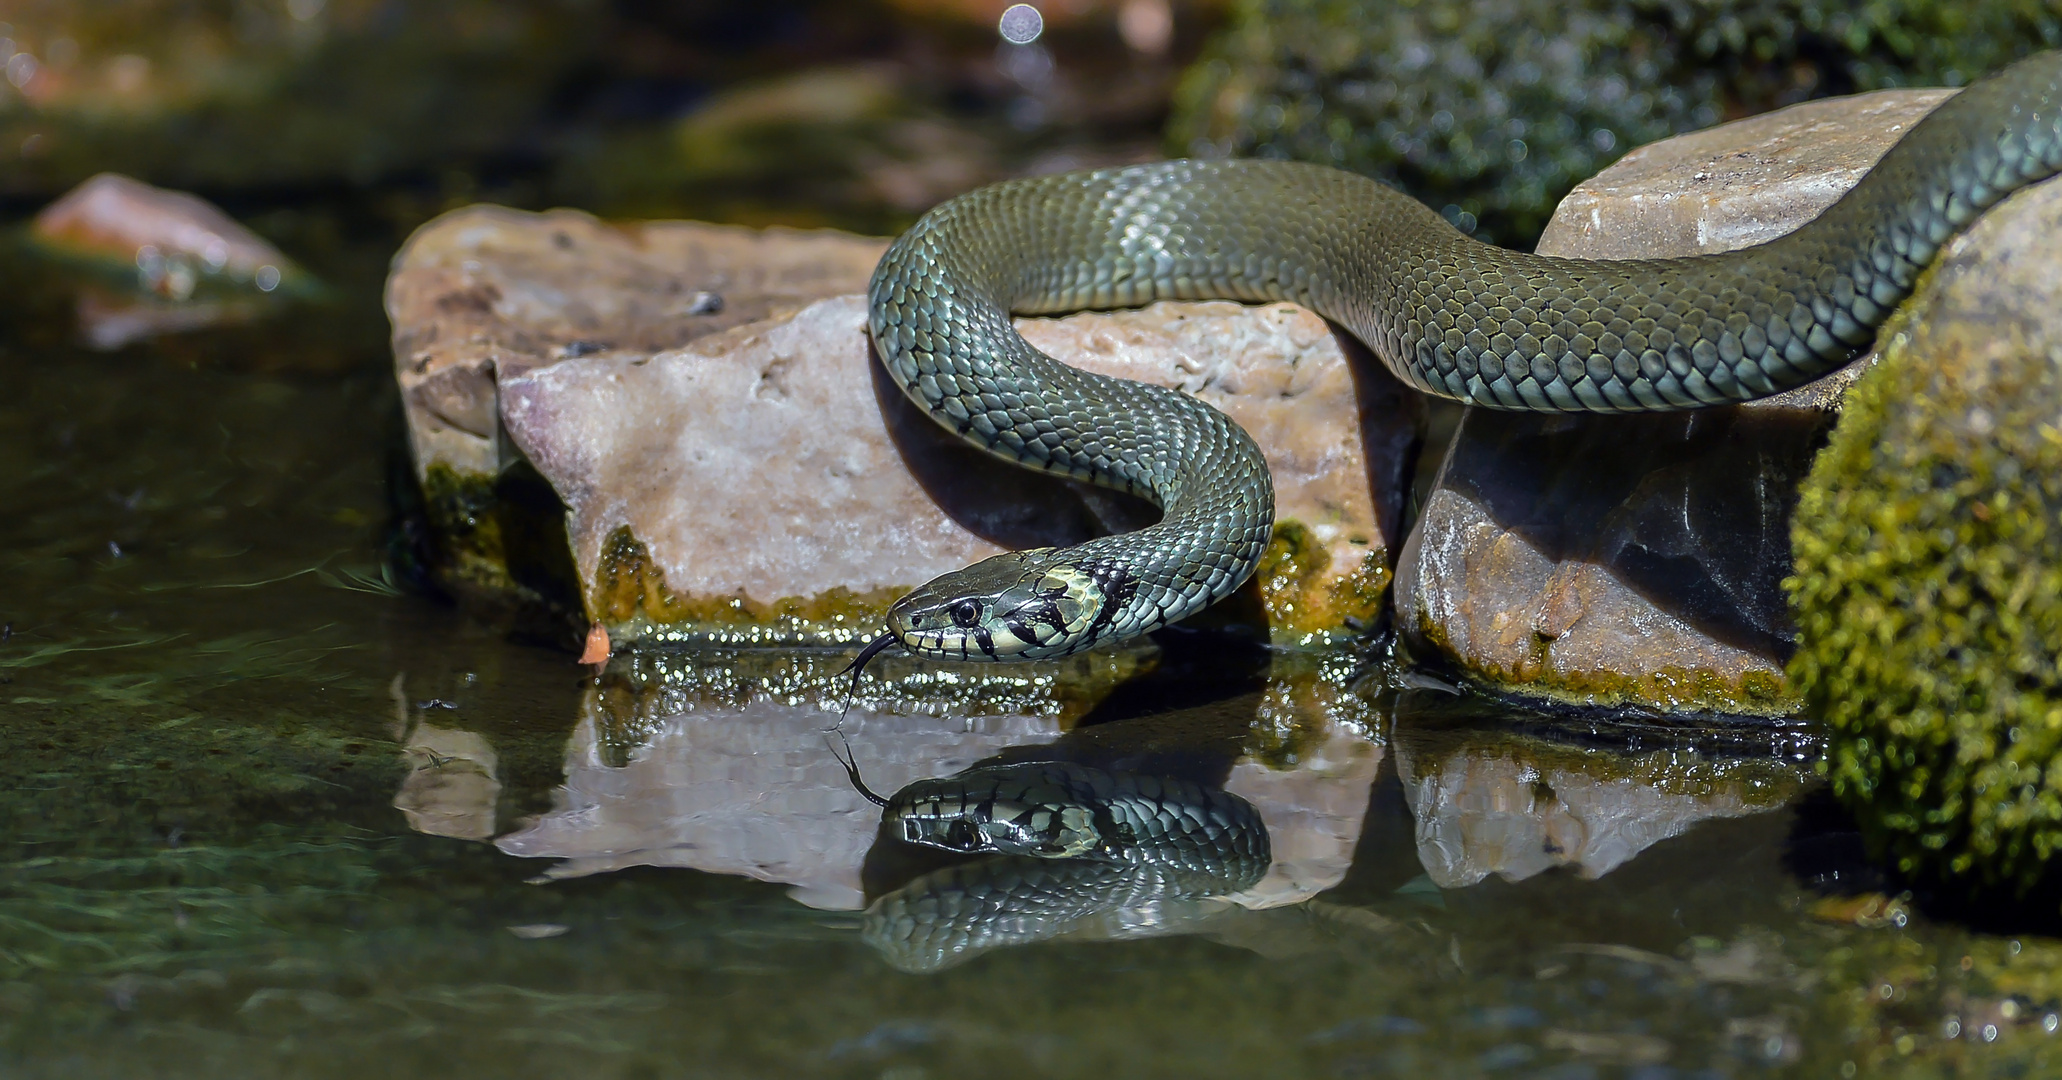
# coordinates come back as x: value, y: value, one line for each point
x: 330, y: 125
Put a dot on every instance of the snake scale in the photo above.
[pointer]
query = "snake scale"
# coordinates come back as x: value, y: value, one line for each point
x: 1448, y: 314
x: 1071, y: 850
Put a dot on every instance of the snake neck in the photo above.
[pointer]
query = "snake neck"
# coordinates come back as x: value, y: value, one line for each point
x: 941, y: 303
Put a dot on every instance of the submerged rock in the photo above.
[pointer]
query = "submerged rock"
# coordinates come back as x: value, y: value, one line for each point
x: 767, y: 484
x: 1635, y: 562
x: 1928, y: 590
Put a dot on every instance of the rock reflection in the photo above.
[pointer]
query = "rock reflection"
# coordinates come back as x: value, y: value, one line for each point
x: 719, y: 762
x: 1489, y: 802
x: 451, y: 788
x: 453, y: 784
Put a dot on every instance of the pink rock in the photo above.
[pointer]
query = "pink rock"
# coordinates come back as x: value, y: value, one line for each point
x: 177, y: 245
x: 762, y: 481
x: 175, y: 240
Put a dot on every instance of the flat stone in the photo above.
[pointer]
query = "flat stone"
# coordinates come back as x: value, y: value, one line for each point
x: 1734, y: 185
x: 487, y: 288
x: 765, y: 483
x: 1549, y: 563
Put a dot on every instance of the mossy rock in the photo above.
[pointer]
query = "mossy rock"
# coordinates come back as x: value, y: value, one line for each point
x: 1493, y: 111
x: 1928, y: 585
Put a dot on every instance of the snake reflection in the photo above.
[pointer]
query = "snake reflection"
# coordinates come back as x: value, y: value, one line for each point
x: 1070, y: 851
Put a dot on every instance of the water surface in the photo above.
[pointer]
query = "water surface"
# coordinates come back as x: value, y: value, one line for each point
x: 269, y: 811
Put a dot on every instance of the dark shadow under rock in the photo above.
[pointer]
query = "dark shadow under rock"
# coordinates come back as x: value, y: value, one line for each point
x: 1615, y: 560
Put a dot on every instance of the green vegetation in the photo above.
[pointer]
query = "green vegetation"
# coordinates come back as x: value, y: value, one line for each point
x: 208, y: 95
x: 1493, y: 111
x: 1928, y: 596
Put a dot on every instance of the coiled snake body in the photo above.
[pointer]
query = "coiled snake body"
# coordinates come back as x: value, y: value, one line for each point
x: 1448, y: 314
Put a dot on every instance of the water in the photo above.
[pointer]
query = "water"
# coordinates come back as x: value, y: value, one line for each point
x: 266, y: 811
x: 265, y: 815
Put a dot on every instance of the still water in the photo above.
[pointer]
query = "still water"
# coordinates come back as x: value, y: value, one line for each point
x: 265, y: 813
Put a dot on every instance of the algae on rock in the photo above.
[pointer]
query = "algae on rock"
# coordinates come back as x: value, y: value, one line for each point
x: 1494, y: 110
x: 1928, y: 588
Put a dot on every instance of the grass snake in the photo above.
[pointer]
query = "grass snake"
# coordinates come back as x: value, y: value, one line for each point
x: 1448, y: 314
x: 1067, y: 850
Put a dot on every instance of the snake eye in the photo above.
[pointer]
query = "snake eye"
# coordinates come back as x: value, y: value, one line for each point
x: 966, y: 613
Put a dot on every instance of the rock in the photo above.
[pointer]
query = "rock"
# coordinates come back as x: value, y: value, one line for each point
x: 1514, y: 806
x: 1492, y: 111
x: 1735, y: 185
x: 1550, y: 564
x: 766, y: 484
x: 1928, y: 590
x: 719, y: 762
x: 169, y: 261
x: 485, y: 291
x: 170, y: 240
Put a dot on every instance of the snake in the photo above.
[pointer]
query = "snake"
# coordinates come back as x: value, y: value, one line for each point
x: 1449, y: 315
x: 1064, y: 849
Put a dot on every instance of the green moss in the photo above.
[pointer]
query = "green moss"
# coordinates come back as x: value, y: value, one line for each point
x: 1309, y: 698
x: 629, y: 596
x: 1757, y: 783
x: 1303, y: 602
x: 1928, y: 597
x: 1671, y: 688
x: 1306, y: 603
x: 461, y: 509
x: 1494, y: 110
x: 499, y: 545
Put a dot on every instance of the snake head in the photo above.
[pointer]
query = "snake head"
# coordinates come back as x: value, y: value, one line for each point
x: 1005, y: 818
x: 1020, y: 605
